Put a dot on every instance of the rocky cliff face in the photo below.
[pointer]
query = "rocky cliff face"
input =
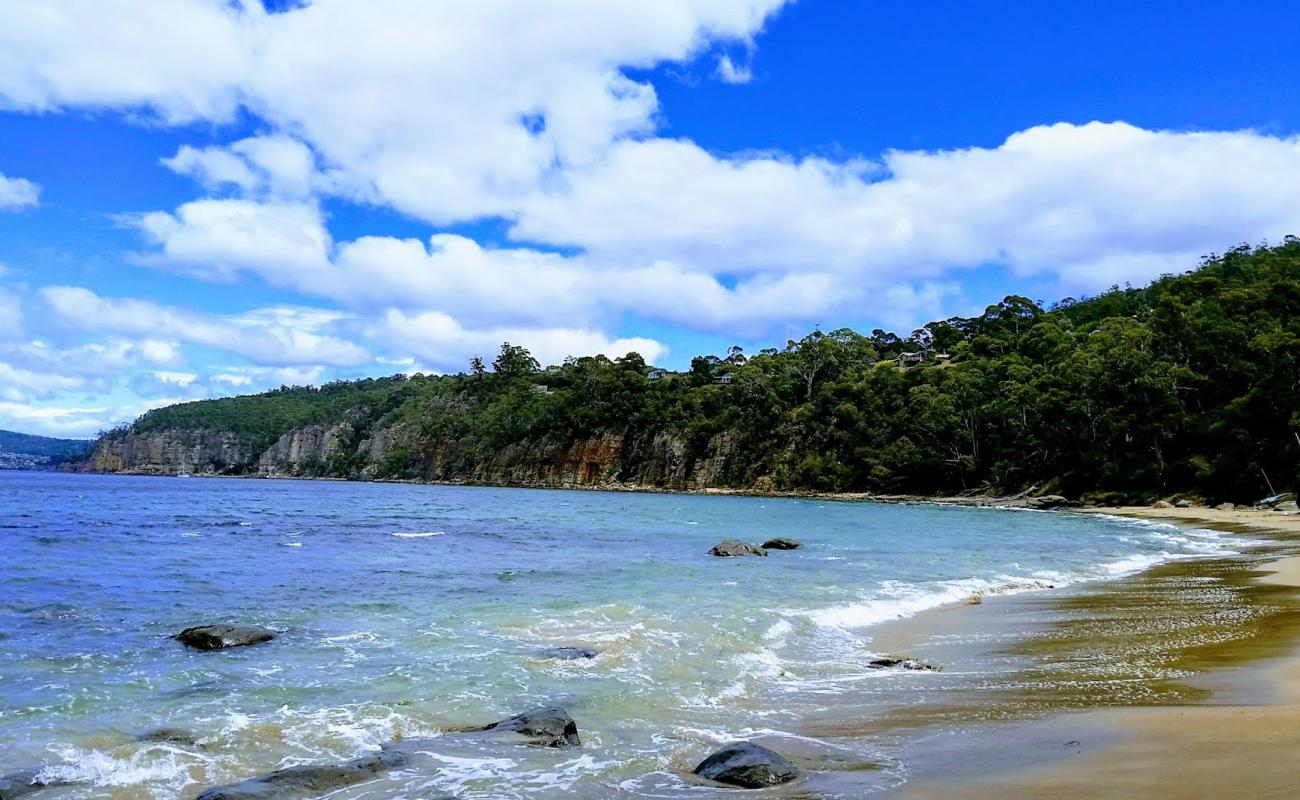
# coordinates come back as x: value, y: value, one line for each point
x: 343, y: 449
x: 200, y: 452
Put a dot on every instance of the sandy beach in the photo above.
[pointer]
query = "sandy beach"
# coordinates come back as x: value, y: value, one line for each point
x: 1239, y: 739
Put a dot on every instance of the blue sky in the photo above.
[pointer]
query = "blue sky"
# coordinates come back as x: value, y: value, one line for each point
x: 204, y: 198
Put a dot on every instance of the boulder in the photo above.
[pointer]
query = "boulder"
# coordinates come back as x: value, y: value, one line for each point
x: 891, y: 662
x: 735, y: 547
x: 219, y: 637
x: 166, y: 734
x: 1162, y: 504
x: 782, y: 543
x: 747, y: 765
x: 549, y: 727
x: 1049, y: 501
x: 1226, y: 506
x: 1184, y: 503
x: 1287, y: 507
x: 569, y: 653
x: 307, y: 782
x: 21, y: 784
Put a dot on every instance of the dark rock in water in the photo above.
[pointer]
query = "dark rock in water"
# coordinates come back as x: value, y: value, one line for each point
x: 167, y: 735
x: 21, y: 784
x: 219, y: 637
x: 570, y: 653
x: 307, y: 782
x: 735, y: 547
x: 782, y: 543
x: 551, y: 727
x: 748, y: 766
x: 903, y: 663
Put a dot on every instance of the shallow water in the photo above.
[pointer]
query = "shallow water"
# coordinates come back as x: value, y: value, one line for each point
x: 407, y: 610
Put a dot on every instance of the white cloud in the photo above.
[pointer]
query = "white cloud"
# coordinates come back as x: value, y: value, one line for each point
x: 731, y: 72
x: 1086, y: 205
x: 275, y: 337
x: 55, y: 420
x: 263, y: 165
x: 432, y: 108
x: 670, y: 232
x: 220, y: 238
x: 440, y: 341
x: 16, y: 193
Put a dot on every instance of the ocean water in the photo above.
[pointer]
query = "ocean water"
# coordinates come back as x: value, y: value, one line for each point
x: 405, y: 611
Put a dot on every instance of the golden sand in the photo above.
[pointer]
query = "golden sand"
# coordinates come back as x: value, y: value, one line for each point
x: 1190, y: 751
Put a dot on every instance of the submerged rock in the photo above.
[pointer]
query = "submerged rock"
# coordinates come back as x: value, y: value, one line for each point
x: 735, y: 547
x: 307, y: 781
x: 782, y: 543
x: 747, y: 765
x: 21, y: 784
x: 219, y: 637
x: 569, y: 653
x: 550, y: 727
x: 167, y: 735
x: 891, y: 662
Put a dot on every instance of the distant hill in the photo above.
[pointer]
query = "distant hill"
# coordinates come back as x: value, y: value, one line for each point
x: 24, y: 451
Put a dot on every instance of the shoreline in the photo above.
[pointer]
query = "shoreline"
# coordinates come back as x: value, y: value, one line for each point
x: 1242, y: 729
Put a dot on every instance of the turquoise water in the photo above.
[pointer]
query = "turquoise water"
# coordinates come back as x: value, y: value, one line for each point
x: 405, y: 610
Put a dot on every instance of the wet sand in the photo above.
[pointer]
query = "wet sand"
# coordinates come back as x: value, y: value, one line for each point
x: 1218, y: 708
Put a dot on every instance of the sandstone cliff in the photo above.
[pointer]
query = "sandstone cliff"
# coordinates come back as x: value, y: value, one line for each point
x: 173, y: 452
x: 348, y: 449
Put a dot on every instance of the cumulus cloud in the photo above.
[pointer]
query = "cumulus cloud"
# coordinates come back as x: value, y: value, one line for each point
x: 671, y: 232
x: 16, y: 193
x: 1086, y: 204
x: 56, y: 420
x: 281, y: 337
x: 440, y: 340
x: 221, y: 238
x: 444, y: 110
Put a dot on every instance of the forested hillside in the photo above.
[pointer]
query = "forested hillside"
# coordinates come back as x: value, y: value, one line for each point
x: 1189, y: 385
x: 24, y: 451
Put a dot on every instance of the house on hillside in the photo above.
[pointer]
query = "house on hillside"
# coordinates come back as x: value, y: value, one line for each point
x: 723, y: 378
x: 920, y: 357
x: 657, y: 374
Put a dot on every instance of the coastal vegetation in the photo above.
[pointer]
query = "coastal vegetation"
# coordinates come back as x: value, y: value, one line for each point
x: 1190, y: 385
